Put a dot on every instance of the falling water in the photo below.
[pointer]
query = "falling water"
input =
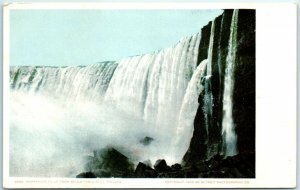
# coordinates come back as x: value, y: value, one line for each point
x: 219, y: 55
x: 188, y: 110
x: 228, y: 131
x: 208, y: 98
x: 67, y: 112
x: 152, y: 86
x: 210, y: 49
x: 66, y: 83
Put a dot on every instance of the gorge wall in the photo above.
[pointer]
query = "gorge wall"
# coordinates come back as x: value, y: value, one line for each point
x: 207, y: 143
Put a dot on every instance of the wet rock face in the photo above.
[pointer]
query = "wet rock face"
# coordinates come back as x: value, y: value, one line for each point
x: 244, y: 95
x: 205, y: 144
x: 204, y: 43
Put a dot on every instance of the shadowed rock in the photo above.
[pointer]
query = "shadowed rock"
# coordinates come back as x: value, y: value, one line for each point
x: 144, y: 171
x: 86, y: 175
x: 176, y: 167
x: 161, y: 166
x: 109, y: 162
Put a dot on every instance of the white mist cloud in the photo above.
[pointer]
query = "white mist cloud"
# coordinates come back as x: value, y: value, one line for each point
x: 50, y: 138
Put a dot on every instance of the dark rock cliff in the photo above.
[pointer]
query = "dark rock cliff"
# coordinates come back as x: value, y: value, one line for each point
x: 205, y: 144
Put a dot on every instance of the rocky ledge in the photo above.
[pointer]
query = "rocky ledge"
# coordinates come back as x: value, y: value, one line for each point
x: 109, y: 162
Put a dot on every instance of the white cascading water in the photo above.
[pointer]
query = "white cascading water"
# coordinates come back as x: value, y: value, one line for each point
x: 58, y: 115
x: 219, y: 54
x: 152, y: 87
x: 228, y: 128
x: 67, y: 83
x: 200, y: 82
x: 208, y: 98
x: 188, y: 110
x: 154, y: 83
x: 210, y: 49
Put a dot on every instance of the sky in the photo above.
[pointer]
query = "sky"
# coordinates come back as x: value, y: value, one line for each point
x: 82, y: 37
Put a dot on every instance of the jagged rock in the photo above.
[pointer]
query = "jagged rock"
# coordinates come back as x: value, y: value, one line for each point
x: 86, y: 175
x: 161, y: 166
x: 110, y: 160
x: 176, y: 167
x: 146, y: 141
x: 218, y: 166
x: 142, y: 170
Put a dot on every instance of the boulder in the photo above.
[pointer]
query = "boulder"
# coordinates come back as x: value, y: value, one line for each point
x: 144, y: 171
x: 176, y: 167
x: 161, y: 166
x: 111, y: 160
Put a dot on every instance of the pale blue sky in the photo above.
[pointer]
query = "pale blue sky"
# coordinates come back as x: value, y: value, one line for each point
x: 81, y: 37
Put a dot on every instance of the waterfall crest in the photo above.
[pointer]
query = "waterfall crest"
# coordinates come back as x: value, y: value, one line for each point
x: 228, y: 128
x: 66, y: 83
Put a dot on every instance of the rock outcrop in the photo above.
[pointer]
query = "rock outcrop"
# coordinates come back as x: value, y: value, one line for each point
x: 205, y: 144
x: 109, y: 162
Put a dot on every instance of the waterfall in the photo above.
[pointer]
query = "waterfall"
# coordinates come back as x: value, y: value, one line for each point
x: 188, y: 110
x: 152, y: 86
x: 228, y: 128
x: 210, y: 49
x: 66, y: 83
x: 219, y: 55
x: 75, y: 110
x: 208, y: 98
